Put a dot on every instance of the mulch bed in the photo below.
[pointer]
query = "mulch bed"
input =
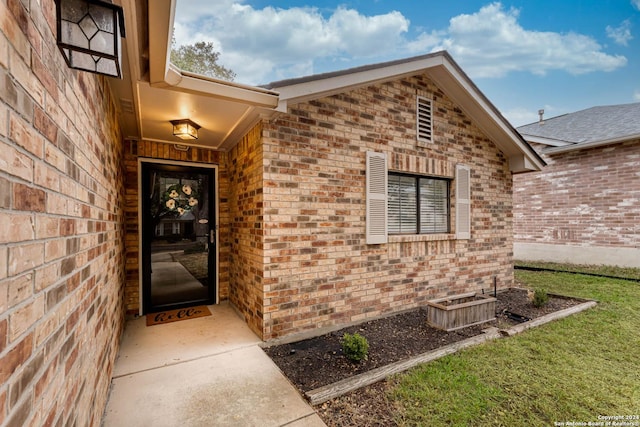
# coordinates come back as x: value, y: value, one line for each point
x: 319, y: 361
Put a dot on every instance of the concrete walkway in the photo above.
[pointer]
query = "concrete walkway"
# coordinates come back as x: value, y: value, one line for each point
x: 208, y: 371
x: 171, y: 282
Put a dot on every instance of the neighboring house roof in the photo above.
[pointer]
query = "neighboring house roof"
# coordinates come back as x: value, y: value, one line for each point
x: 445, y: 72
x: 588, y: 128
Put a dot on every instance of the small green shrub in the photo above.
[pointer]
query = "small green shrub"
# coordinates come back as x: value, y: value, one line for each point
x: 540, y: 297
x: 355, y: 347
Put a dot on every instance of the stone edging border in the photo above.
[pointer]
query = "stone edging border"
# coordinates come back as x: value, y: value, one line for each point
x: 331, y: 391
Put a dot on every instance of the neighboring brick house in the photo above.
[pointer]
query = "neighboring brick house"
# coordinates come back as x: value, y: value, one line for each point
x: 276, y: 191
x: 584, y: 206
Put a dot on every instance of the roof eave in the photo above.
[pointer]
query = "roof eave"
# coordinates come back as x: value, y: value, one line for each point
x: 587, y: 145
x: 161, y: 92
x: 323, y: 85
x: 450, y: 78
x: 546, y: 141
x: 461, y: 89
x: 164, y: 74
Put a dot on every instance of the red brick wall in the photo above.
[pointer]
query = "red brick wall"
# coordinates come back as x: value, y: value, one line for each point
x: 61, y: 237
x: 319, y: 272
x: 586, y: 197
x: 246, y: 223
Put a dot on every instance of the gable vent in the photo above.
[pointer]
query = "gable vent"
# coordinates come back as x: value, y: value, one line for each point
x: 424, y: 119
x: 126, y: 105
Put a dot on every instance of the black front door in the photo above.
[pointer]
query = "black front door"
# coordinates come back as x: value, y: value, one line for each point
x: 178, y: 236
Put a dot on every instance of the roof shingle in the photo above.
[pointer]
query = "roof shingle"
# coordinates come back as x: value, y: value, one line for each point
x: 603, y: 123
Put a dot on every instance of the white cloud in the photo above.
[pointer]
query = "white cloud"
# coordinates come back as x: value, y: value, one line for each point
x: 520, y: 116
x: 620, y: 34
x: 636, y: 4
x: 267, y: 44
x: 491, y: 43
x: 636, y: 95
x: 426, y: 42
x: 281, y: 39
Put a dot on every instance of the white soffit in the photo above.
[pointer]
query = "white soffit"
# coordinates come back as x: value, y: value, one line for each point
x: 224, y: 110
x: 219, y: 119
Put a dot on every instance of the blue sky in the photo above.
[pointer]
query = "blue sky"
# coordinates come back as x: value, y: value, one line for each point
x: 526, y: 55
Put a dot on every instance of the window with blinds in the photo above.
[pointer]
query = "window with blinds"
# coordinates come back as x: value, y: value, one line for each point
x: 417, y: 205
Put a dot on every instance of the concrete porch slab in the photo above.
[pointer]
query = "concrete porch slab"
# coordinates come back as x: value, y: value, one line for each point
x: 208, y: 371
x: 146, y: 347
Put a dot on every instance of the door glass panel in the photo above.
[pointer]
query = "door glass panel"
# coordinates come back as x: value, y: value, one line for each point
x: 178, y: 236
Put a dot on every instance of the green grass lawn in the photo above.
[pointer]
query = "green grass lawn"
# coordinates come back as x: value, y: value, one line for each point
x: 571, y: 370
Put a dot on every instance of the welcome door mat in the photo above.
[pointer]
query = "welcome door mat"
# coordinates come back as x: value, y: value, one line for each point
x: 177, y: 315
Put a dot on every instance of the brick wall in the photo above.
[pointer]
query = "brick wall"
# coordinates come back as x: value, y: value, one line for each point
x: 61, y: 251
x: 582, y: 198
x: 240, y: 208
x: 156, y: 150
x: 318, y: 270
x: 245, y: 197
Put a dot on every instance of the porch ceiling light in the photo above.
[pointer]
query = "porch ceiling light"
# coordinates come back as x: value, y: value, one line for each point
x: 185, y: 129
x: 88, y: 35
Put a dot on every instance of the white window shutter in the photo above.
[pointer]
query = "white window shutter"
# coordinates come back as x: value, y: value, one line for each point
x: 463, y: 202
x: 376, y: 198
